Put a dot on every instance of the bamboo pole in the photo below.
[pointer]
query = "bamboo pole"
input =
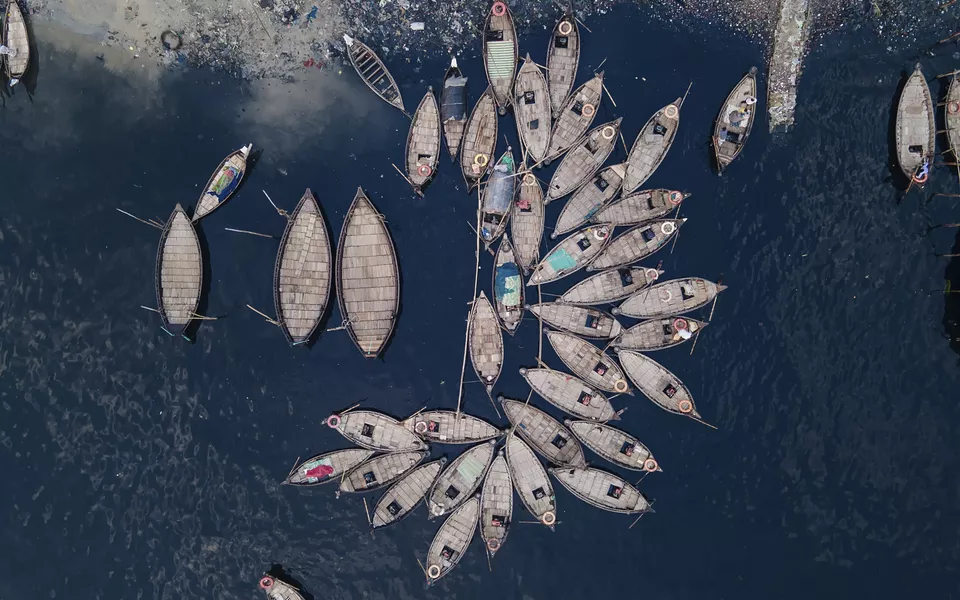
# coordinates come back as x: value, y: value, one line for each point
x: 685, y: 94
x: 200, y: 317
x: 279, y: 210
x: 268, y: 319
x: 367, y: 510
x: 584, y: 26
x: 144, y: 221
x: 476, y: 281
x: 151, y: 309
x: 609, y: 95
x: 249, y: 232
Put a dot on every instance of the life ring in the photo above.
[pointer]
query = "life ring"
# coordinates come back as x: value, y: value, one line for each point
x: 499, y: 9
x: 481, y: 159
x: 749, y: 100
x: 680, y: 324
x: 676, y: 198
x: 529, y: 179
x: 433, y: 572
x: 565, y: 27
x: 437, y: 510
x: 601, y: 233
x: 588, y: 110
x: 493, y: 544
x: 548, y: 518
x: 420, y: 427
x: 921, y: 179
x: 953, y: 107
x: 671, y: 111
x: 266, y: 583
x: 667, y: 227
x: 424, y: 170
x: 620, y: 386
x: 333, y: 421
x: 669, y: 295
x: 608, y: 132
x: 685, y: 406
x: 651, y: 274
x: 650, y: 465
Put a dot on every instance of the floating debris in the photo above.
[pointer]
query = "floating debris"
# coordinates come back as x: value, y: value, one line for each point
x: 789, y: 44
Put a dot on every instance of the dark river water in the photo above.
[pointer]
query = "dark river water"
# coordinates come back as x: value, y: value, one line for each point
x: 143, y: 466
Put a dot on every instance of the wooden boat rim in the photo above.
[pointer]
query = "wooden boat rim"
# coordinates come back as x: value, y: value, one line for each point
x: 159, y: 268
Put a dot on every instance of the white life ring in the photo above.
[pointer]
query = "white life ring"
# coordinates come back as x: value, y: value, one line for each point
x: 667, y: 228
x: 333, y: 421
x: 620, y: 386
x: 650, y: 465
x: 567, y: 25
x: 669, y: 295
x: 433, y: 572
x: 529, y: 179
x: 588, y: 110
x: 601, y: 233
x: 608, y: 132
x: 671, y: 111
x: 548, y: 518
x: 420, y: 427
x: 493, y: 544
x: 437, y: 510
x: 685, y: 406
x: 651, y: 274
x: 676, y: 197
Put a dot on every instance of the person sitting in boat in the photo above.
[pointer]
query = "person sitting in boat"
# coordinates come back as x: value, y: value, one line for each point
x: 4, y: 49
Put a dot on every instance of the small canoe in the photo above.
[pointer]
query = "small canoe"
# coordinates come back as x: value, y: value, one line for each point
x: 618, y: 447
x: 658, y: 384
x: 405, y: 494
x: 453, y: 107
x: 479, y: 140
x: 303, y: 272
x: 327, y: 467
x: 452, y: 540
x: 640, y: 207
x: 373, y: 72
x: 563, y: 58
x: 223, y: 183
x: 570, y: 394
x: 423, y: 143
x: 915, y: 129
x: 16, y: 37
x: 735, y: 121
x: 507, y: 287
x: 578, y: 320
x: 500, y: 53
x: 575, y: 117
x: 657, y: 334
x: 610, y: 286
x: 588, y: 200
x: 583, y: 160
x: 589, y: 362
x: 546, y: 434
x: 446, y: 427
x: 368, y: 278
x: 179, y: 272
x: 531, y: 108
x: 531, y: 481
x: 279, y: 590
x: 375, y: 430
x: 651, y: 146
x: 486, y: 342
x: 572, y: 254
x: 498, y: 196
x: 673, y: 297
x: 636, y: 244
x: 496, y: 505
x: 526, y: 223
x: 458, y: 482
x: 602, y: 489
x: 380, y: 471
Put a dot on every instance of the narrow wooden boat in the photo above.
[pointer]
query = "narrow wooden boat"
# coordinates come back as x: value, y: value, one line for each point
x: 583, y: 160
x: 179, y: 273
x: 405, y: 494
x: 658, y: 384
x: 575, y: 118
x: 447, y: 427
x: 673, y: 297
x: 563, y: 57
x: 610, y: 286
x: 602, y: 489
x: 640, y: 207
x: 618, y: 447
x: 496, y: 506
x: 589, y: 362
x: 380, y: 471
x: 572, y: 254
x: 452, y: 540
x: 546, y: 434
x: 479, y: 140
x: 327, y: 467
x: 303, y: 272
x: 460, y: 480
x: 486, y: 342
x: 423, y: 143
x: 651, y: 146
x: 735, y: 121
x: 453, y: 107
x: 16, y: 37
x: 223, y: 183
x: 526, y: 223
x: 531, y: 108
x: 915, y: 129
x: 531, y: 481
x: 368, y: 278
x: 373, y: 72
x: 500, y: 53
x: 570, y: 394
x: 657, y: 334
x: 952, y: 117
x: 507, y: 287
x: 498, y: 196
x: 592, y: 196
x: 578, y: 320
x: 636, y: 244
x: 375, y: 430
x: 279, y: 590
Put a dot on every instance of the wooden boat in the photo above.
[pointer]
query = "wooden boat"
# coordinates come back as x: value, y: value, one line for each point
x: 479, y: 140
x: 453, y: 107
x: 575, y: 118
x: 602, y: 489
x: 640, y: 207
x: 498, y: 196
x: 547, y: 435
x: 915, y: 129
x: 500, y: 53
x: 619, y: 447
x: 507, y: 287
x: 592, y: 196
x: 423, y: 143
x: 223, y: 183
x: 452, y: 540
x: 589, y: 362
x: 327, y: 467
x: 447, y: 427
x: 570, y: 394
x: 657, y: 334
x: 735, y: 121
x: 636, y: 244
x: 496, y: 506
x: 375, y: 430
x: 368, y: 278
x: 583, y: 160
x: 486, y: 342
x: 658, y: 384
x: 179, y: 273
x: 526, y: 222
x: 531, y: 481
x: 405, y: 494
x: 578, y: 320
x: 278, y: 590
x: 673, y: 297
x: 373, y: 72
x: 651, y: 146
x: 563, y: 57
x: 572, y: 254
x: 610, y: 286
x: 302, y: 275
x: 531, y: 108
x: 458, y: 482
x: 380, y: 471
x: 16, y: 37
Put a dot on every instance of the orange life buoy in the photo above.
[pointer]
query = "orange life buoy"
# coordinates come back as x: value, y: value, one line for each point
x: 685, y: 406
x: 651, y: 274
x: 266, y: 583
x: 499, y: 9
x: 568, y: 25
x: 679, y: 324
x: 588, y: 110
x: 608, y: 132
x: 921, y: 179
x: 424, y: 170
x: 650, y: 465
x: 954, y: 107
x: 333, y: 421
x: 548, y: 518
x: 676, y: 198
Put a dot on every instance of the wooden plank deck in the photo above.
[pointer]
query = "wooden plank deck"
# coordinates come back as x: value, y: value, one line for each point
x: 610, y: 286
x: 479, y: 140
x: 380, y: 471
x: 590, y: 198
x: 636, y: 244
x: 179, y: 272
x: 531, y: 481
x: 563, y: 58
x: 588, y: 362
x: 526, y: 223
x: 673, y: 297
x: 570, y: 394
x: 452, y: 540
x: 403, y: 496
x: 575, y: 117
x: 531, y: 107
x: 547, y: 435
x: 496, y: 505
x: 486, y: 342
x: 423, y: 142
x: 651, y: 146
x: 583, y: 160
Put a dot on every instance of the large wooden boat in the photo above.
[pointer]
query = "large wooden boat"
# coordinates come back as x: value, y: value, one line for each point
x: 547, y: 435
x: 373, y: 72
x: 423, y: 143
x: 380, y: 471
x: 452, y: 540
x: 531, y: 108
x: 531, y: 481
x: 575, y: 252
x: 479, y: 140
x: 735, y: 121
x: 588, y: 362
x: 460, y: 480
x: 915, y: 129
x: 526, y: 222
x: 453, y: 107
x: 610, y: 286
x: 636, y: 244
x: 179, y: 273
x: 578, y: 320
x: 327, y: 467
x: 651, y: 146
x: 449, y: 427
x: 485, y: 340
x: 500, y: 53
x: 570, y: 394
x: 575, y: 117
x: 673, y: 297
x: 375, y: 430
x: 405, y: 494
x: 496, y: 506
x: 563, y: 58
x: 583, y: 160
x: 602, y: 489
x: 618, y: 447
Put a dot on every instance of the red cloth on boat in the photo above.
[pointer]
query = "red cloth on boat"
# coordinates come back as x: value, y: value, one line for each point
x: 320, y: 471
